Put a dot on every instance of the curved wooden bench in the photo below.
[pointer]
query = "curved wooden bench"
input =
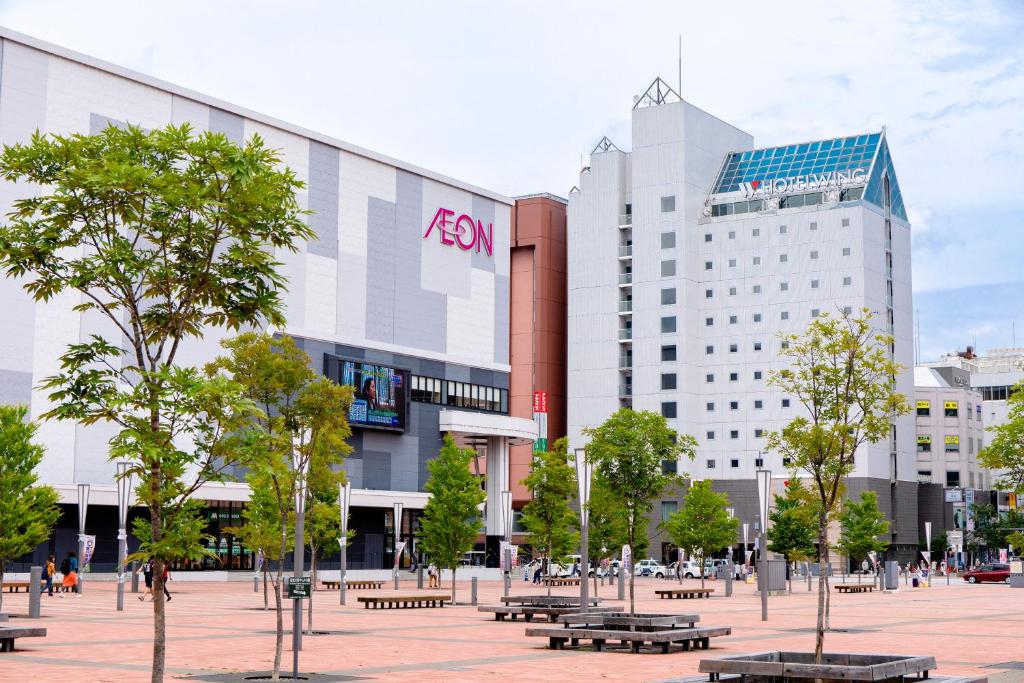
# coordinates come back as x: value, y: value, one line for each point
x: 404, y: 601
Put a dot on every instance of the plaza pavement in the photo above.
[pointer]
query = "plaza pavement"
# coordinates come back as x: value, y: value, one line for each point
x: 221, y: 627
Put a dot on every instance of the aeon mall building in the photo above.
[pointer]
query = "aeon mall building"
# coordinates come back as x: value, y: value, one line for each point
x: 403, y: 294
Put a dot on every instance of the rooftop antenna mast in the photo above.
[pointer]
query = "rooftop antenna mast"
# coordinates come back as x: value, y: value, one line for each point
x: 680, y: 66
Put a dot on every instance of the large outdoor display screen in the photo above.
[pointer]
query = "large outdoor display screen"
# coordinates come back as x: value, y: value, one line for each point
x: 379, y: 393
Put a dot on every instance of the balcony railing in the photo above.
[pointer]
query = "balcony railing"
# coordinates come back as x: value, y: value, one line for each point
x: 625, y: 334
x: 625, y: 307
x: 625, y: 250
x: 625, y: 219
x: 625, y: 391
x: 625, y: 362
x: 625, y: 278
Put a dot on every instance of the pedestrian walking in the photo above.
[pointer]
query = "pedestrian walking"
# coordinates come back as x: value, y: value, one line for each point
x: 147, y: 574
x: 433, y: 578
x: 166, y: 577
x: 48, y: 571
x: 69, y: 569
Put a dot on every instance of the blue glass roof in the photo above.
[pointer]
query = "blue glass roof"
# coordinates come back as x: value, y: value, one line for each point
x: 823, y: 156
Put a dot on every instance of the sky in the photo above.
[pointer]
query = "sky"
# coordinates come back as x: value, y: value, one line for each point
x: 512, y: 95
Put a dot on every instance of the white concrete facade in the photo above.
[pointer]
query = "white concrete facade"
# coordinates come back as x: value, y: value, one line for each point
x: 949, y: 423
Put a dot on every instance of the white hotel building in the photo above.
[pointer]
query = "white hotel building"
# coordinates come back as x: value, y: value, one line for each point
x: 691, y: 253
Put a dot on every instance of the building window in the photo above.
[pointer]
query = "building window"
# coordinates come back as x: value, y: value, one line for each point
x: 733, y: 319
x: 846, y: 222
x: 784, y: 344
x: 668, y: 352
x: 785, y: 403
x: 711, y: 464
x: 668, y: 409
x: 707, y: 265
x: 785, y: 461
x: 709, y: 322
x: 709, y: 349
x: 708, y: 293
x: 668, y: 324
x: 815, y: 312
x: 734, y: 463
x: 783, y: 286
x: 707, y: 237
x: 668, y: 240
x: 924, y: 443
x: 924, y: 408
x: 814, y: 226
x: 757, y: 289
x: 953, y: 479
x: 846, y: 251
x: 924, y: 474
x: 668, y: 508
x: 758, y: 462
x: 711, y: 435
x: 783, y: 258
x: 847, y: 310
x: 732, y: 263
x: 951, y: 408
x: 758, y: 433
x: 732, y: 234
x: 757, y: 260
x: 669, y: 467
x: 952, y: 443
x: 732, y: 291
x: 782, y: 229
x: 668, y: 268
x: 668, y: 380
x: 710, y: 405
x: 757, y: 317
x: 709, y: 378
x: 668, y: 204
x: 734, y: 405
x: 668, y: 296
x: 733, y: 348
x: 756, y: 232
x: 814, y: 284
x: 464, y: 395
x: 734, y: 433
x: 784, y: 315
x: 814, y: 255
x: 734, y: 376
x: 757, y: 346
x: 758, y: 404
x: 757, y: 374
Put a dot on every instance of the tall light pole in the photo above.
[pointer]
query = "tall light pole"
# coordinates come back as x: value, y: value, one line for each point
x: 124, y: 490
x: 300, y: 466
x: 764, y: 481
x: 506, y: 525
x: 344, y: 498
x: 584, y: 473
x: 928, y: 544
x: 397, y: 524
x: 83, y: 507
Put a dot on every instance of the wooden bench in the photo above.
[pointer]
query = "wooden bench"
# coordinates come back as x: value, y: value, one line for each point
x: 17, y: 586
x: 353, y: 584
x: 8, y: 635
x: 634, y: 621
x: 396, y: 601
x: 854, y: 587
x: 684, y: 593
x: 546, y: 600
x: 561, y: 581
x: 698, y: 638
x: 530, y: 611
x: 739, y: 678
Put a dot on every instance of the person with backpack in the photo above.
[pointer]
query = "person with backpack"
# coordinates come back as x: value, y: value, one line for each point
x: 69, y: 568
x: 48, y: 571
x: 147, y: 574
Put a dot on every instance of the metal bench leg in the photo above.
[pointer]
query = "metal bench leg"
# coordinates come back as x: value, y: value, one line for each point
x: 664, y: 647
x: 705, y: 643
x: 7, y: 645
x: 686, y: 648
x: 598, y: 644
x: 574, y: 641
x: 635, y: 646
x: 556, y: 643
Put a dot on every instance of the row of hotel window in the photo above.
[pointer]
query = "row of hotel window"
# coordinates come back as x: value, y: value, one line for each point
x: 668, y: 322
x: 789, y: 202
x: 668, y: 239
x: 952, y: 443
x: 949, y: 409
x: 952, y: 477
x: 996, y: 393
x: 668, y: 266
x: 672, y: 467
x: 458, y: 394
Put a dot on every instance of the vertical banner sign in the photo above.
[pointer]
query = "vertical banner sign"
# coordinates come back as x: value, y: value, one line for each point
x: 627, y: 560
x: 399, y: 547
x: 540, y: 416
x: 1003, y: 554
x: 501, y: 556
x: 89, y: 546
x: 259, y: 561
x: 969, y: 501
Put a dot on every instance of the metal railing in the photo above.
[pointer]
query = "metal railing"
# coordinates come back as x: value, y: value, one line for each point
x: 626, y: 250
x: 625, y: 362
x: 625, y: 278
x: 625, y: 333
x: 625, y: 307
x: 625, y: 219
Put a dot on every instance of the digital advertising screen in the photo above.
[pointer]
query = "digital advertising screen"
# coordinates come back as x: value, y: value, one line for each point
x: 379, y: 393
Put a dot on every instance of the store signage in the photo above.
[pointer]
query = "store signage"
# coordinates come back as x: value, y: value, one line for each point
x: 924, y: 438
x: 540, y: 416
x: 924, y: 404
x: 465, y: 232
x: 954, y: 495
x: 540, y: 401
x: 298, y: 587
x: 803, y: 183
x: 951, y: 405
x: 953, y: 439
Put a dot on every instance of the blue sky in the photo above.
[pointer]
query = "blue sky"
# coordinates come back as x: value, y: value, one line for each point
x: 509, y: 95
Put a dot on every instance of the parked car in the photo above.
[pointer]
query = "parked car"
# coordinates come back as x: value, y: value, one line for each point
x: 690, y: 570
x: 650, y: 567
x: 992, y: 573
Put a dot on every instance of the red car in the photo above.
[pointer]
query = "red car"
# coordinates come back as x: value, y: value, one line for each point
x: 995, y: 573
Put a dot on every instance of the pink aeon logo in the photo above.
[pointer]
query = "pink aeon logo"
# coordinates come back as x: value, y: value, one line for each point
x: 463, y: 231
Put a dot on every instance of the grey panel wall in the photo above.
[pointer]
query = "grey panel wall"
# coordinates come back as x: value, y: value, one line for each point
x: 15, y: 387
x: 232, y: 125
x: 324, y: 172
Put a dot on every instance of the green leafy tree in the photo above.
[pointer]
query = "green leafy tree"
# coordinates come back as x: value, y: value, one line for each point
x: 301, y: 427
x: 451, y: 518
x: 28, y: 510
x: 162, y: 233
x: 839, y: 369
x: 606, y: 526
x: 548, y: 518
x: 628, y: 450
x: 702, y: 525
x: 863, y: 525
x: 793, y: 526
x: 992, y: 529
x: 261, y: 526
x: 1005, y: 451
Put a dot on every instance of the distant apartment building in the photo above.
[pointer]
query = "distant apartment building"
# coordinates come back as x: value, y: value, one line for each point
x: 949, y: 430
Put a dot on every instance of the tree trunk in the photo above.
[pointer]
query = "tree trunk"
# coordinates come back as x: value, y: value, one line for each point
x: 595, y: 584
x: 819, y: 631
x: 265, y: 596
x: 312, y: 574
x: 279, y: 635
x: 700, y: 568
x: 453, y: 580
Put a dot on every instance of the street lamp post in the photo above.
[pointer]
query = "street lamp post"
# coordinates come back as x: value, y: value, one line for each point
x: 83, y: 507
x: 928, y: 553
x: 124, y: 490
x: 764, y: 480
x: 344, y: 498
x: 584, y: 473
x: 300, y: 465
x: 397, y: 524
x: 506, y: 518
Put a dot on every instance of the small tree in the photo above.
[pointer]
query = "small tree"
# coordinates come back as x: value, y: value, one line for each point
x: 628, y: 451
x: 841, y: 372
x: 548, y: 517
x: 793, y: 525
x: 301, y: 426
x: 1005, y: 452
x: 703, y: 525
x: 451, y: 518
x: 606, y: 525
x: 862, y: 526
x: 161, y: 234
x: 28, y: 511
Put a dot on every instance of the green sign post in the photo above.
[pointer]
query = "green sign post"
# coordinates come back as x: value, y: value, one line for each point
x: 298, y: 587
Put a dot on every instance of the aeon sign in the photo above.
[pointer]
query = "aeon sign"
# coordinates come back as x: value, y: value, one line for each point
x: 466, y: 233
x: 803, y: 183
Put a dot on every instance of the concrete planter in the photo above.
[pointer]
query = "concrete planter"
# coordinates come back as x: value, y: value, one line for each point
x: 800, y: 666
